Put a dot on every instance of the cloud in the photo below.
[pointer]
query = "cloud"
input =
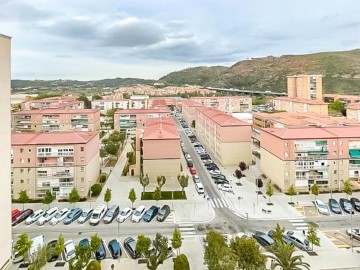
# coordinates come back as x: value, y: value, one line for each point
x: 352, y: 24
x: 21, y: 13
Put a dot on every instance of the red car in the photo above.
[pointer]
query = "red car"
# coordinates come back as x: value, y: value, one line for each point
x: 192, y: 170
x: 15, y: 213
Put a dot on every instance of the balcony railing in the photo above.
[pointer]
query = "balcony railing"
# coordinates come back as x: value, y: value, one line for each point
x: 311, y: 157
x: 66, y: 184
x: 51, y: 154
x: 354, y: 166
x: 55, y: 174
x: 309, y: 167
x: 57, y: 164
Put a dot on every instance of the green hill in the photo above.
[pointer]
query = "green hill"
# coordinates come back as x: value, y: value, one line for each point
x: 341, y: 72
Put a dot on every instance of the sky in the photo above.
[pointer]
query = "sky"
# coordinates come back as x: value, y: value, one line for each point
x: 90, y: 40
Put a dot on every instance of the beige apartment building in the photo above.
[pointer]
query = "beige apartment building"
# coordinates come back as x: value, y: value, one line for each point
x: 5, y: 150
x: 188, y: 108
x: 64, y: 102
x: 297, y: 105
x: 54, y: 161
x: 158, y: 150
x: 56, y: 120
x: 304, y: 156
x: 229, y: 104
x: 305, y: 87
x: 353, y: 112
x: 224, y: 137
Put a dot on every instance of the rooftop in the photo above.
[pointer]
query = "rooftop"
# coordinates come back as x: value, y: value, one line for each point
x: 303, y: 75
x: 353, y: 106
x: 56, y: 111
x: 221, y: 97
x: 160, y: 128
x: 301, y: 100
x: 52, y: 138
x: 141, y: 111
x: 221, y: 118
x: 191, y: 103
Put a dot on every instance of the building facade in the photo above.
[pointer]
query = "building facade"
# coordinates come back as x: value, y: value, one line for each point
x: 305, y: 87
x: 188, y: 108
x: 55, y: 120
x: 54, y: 161
x: 297, y: 105
x: 5, y: 149
x: 107, y: 104
x: 224, y: 137
x: 353, y: 112
x: 346, y: 99
x: 230, y: 104
x: 304, y: 156
x: 65, y: 102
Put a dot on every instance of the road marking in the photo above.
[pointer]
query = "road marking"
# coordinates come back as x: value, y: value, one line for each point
x: 212, y: 203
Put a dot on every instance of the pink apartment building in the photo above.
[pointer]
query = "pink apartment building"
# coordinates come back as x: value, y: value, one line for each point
x: 230, y: 104
x: 64, y: 102
x: 55, y: 120
x: 304, y: 156
x: 343, y: 98
x: 188, y: 108
x: 226, y: 138
x: 127, y: 121
x: 353, y: 112
x: 158, y: 150
x: 297, y: 105
x: 54, y: 161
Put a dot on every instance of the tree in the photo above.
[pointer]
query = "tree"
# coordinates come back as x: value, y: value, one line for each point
x: 122, y: 139
x: 238, y: 174
x: 337, y: 106
x: 143, y: 245
x: 96, y: 189
x: 96, y: 97
x: 348, y: 188
x: 315, y: 190
x: 144, y: 180
x: 176, y: 241
x: 93, y: 265
x: 269, y: 190
x: 95, y: 243
x: 60, y: 245
x: 133, y: 143
x: 74, y: 196
x: 248, y: 253
x: 115, y: 136
x: 82, y: 257
x: 242, y: 166
x: 103, y: 154
x: 112, y: 148
x: 183, y: 181
x: 160, y: 244
x: 132, y: 197
x: 292, y: 191
x: 282, y: 256
x: 23, y: 197
x: 87, y: 102
x: 181, y: 262
x: 22, y: 246
x: 107, y: 196
x: 48, y: 198
x: 312, y: 237
x: 38, y: 259
x: 217, y: 254
x: 157, y: 195
x: 278, y: 233
x: 161, y: 181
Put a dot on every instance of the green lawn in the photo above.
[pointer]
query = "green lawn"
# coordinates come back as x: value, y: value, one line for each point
x: 165, y: 195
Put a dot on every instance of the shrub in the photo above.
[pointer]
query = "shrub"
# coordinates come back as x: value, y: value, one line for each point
x: 238, y: 174
x: 96, y: 189
x: 103, y: 178
x: 94, y: 265
x: 125, y: 170
x: 242, y: 166
x: 181, y: 263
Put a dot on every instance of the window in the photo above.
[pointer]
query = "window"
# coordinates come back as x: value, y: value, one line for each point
x: 21, y: 150
x: 340, y: 153
x: 29, y: 150
x: 82, y: 148
x: 286, y: 144
x: 340, y: 142
x: 82, y: 179
x: 28, y: 160
x: 334, y: 142
x: 22, y: 160
x: 286, y: 154
x: 29, y: 170
x: 21, y: 170
x: 82, y: 159
x: 335, y: 171
x: 82, y: 169
x: 22, y: 181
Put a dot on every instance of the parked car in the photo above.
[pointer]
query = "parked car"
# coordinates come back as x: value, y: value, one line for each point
x: 73, y: 215
x: 263, y: 239
x: 151, y: 213
x: 15, y: 213
x: 86, y: 215
x: 114, y: 248
x: 125, y: 214
x: 199, y: 188
x: 346, y: 206
x: 218, y: 176
x: 139, y: 213
x: 51, y: 251
x: 225, y: 187
x: 192, y: 170
x: 298, y: 239
x: 100, y: 254
x: 196, y: 178
x: 355, y: 233
x: 355, y: 203
x: 49, y: 214
x: 60, y: 216
x: 35, y: 216
x: 163, y: 213
x: 215, y: 172
x: 284, y: 237
x: 111, y: 214
x: 212, y: 168
x: 98, y: 214
x: 321, y: 207
x: 20, y: 218
x: 220, y: 181
x: 130, y: 246
x: 69, y: 250
x: 84, y: 242
x: 334, y: 206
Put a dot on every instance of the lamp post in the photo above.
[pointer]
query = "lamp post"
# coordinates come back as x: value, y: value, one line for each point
x: 172, y: 193
x: 254, y: 208
x: 240, y: 198
x: 90, y: 192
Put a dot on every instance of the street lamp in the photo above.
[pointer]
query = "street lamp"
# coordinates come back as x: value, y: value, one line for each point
x: 90, y: 192
x: 240, y: 198
x: 254, y: 208
x: 172, y: 195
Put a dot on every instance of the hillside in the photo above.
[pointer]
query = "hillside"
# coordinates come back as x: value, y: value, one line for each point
x: 341, y: 72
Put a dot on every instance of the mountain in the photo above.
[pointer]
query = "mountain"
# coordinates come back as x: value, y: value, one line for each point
x: 341, y: 72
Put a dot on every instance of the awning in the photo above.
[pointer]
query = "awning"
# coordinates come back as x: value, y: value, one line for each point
x: 318, y: 152
x: 354, y: 153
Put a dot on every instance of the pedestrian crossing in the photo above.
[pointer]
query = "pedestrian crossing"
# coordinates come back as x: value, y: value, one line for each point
x: 299, y: 224
x: 219, y: 202
x: 170, y: 218
x: 187, y: 230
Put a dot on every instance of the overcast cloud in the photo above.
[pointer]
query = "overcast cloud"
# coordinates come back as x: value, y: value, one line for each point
x: 147, y: 39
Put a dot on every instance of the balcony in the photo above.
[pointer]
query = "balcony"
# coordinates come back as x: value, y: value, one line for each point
x: 311, y: 157
x: 57, y: 164
x: 62, y: 174
x: 55, y: 154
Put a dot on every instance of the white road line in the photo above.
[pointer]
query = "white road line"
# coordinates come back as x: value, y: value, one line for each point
x: 296, y: 220
x: 301, y: 228
x: 300, y: 224
x: 212, y: 203
x: 216, y: 203
x: 220, y: 202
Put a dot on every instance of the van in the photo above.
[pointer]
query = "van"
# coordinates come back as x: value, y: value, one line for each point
x: 37, y: 243
x: 199, y: 188
x: 111, y: 214
x: 98, y: 214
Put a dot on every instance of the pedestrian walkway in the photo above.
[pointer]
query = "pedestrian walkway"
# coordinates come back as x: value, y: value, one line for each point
x: 218, y: 203
x: 170, y: 218
x: 187, y: 230
x: 299, y: 224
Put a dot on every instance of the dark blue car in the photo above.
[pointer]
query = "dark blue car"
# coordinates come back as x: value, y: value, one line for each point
x: 101, y: 252
x: 151, y: 213
x: 114, y: 248
x: 73, y: 215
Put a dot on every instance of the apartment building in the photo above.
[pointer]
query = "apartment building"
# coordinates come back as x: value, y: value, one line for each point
x: 5, y: 150
x: 188, y: 108
x: 158, y: 104
x: 353, y: 112
x: 54, y: 161
x: 158, y: 150
x: 297, y: 105
x: 127, y: 121
x: 55, y: 120
x: 64, y: 102
x: 107, y: 104
x: 230, y: 104
x: 304, y: 156
x: 305, y: 87
x: 346, y: 99
x: 226, y: 138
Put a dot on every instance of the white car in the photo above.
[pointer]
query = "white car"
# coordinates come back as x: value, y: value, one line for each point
x: 35, y: 216
x: 225, y: 187
x: 215, y: 172
x: 86, y: 214
x: 60, y: 216
x: 354, y: 232
x: 48, y: 216
x: 322, y: 207
x: 125, y: 214
x: 69, y: 250
x: 139, y: 213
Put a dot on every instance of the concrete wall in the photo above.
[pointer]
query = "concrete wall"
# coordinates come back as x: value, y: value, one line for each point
x: 233, y: 153
x: 91, y: 174
x: 167, y: 167
x: 161, y: 149
x: 268, y: 163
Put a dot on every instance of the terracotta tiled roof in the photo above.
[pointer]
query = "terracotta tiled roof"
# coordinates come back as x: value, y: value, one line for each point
x: 221, y: 118
x: 353, y: 106
x: 160, y: 129
x: 192, y: 103
x: 141, y: 111
x: 56, y: 111
x: 52, y: 138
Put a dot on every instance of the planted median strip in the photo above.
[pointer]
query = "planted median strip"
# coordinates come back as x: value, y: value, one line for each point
x: 165, y: 195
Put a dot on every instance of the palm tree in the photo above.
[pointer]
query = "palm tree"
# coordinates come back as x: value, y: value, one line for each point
x: 283, y: 257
